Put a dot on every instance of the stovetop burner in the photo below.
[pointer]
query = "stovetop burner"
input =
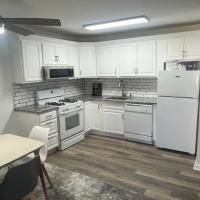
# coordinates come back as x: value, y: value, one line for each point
x: 67, y: 100
x: 55, y: 103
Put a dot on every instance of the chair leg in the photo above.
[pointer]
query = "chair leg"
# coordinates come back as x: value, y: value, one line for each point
x: 47, y: 175
x: 43, y: 184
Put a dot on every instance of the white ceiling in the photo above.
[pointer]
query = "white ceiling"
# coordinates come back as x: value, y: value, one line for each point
x: 76, y: 13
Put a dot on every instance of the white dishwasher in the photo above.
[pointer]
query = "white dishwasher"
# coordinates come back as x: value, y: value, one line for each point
x: 139, y: 122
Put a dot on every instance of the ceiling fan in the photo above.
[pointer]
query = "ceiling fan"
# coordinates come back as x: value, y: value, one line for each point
x: 10, y: 24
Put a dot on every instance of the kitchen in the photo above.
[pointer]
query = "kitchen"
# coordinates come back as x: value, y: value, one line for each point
x: 112, y: 105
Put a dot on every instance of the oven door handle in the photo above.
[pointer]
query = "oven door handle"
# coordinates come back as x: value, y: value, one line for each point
x: 65, y: 113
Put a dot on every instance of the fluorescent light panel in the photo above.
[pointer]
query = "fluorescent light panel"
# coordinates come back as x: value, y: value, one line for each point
x: 118, y: 23
x: 2, y: 29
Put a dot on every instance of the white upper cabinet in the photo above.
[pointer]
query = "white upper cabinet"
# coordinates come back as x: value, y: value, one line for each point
x: 55, y: 54
x: 107, y: 61
x: 32, y: 61
x: 182, y: 48
x: 62, y: 54
x: 74, y: 60
x: 146, y: 58
x: 175, y: 48
x: 192, y: 47
x: 127, y: 58
x: 87, y: 59
x: 161, y: 54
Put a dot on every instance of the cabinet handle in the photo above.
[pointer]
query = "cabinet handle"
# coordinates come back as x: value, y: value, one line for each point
x: 136, y: 70
x: 184, y: 52
x: 56, y: 58
x: 115, y: 71
x: 80, y: 72
x: 122, y: 116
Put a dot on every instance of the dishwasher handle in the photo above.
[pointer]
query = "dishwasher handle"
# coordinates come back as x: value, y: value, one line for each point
x: 138, y: 108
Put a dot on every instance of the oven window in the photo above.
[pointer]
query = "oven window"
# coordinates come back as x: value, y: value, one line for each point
x: 72, y: 122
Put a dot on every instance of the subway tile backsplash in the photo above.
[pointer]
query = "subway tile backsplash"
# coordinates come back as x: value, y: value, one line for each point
x: 133, y: 86
x: 25, y: 94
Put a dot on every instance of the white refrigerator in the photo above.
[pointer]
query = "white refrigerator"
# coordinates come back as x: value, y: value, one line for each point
x: 177, y: 110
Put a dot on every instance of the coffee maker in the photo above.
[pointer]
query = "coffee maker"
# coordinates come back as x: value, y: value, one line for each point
x: 96, y: 89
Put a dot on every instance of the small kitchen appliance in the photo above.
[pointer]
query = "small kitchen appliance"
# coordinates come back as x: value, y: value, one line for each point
x: 97, y: 89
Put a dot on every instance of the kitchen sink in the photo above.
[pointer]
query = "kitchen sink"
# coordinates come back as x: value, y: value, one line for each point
x: 117, y: 98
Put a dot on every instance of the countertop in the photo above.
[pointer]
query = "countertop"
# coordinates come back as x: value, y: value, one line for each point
x: 38, y: 109
x: 133, y: 99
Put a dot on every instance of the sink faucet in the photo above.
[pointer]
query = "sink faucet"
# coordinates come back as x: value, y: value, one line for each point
x: 121, y: 84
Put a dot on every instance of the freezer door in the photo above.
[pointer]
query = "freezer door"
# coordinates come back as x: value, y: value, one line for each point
x: 178, y: 84
x: 177, y: 124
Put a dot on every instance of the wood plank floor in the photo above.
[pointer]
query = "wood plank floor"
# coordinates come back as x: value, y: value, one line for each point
x: 153, y: 173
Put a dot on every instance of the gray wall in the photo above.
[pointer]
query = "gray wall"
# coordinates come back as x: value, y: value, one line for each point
x: 7, y: 122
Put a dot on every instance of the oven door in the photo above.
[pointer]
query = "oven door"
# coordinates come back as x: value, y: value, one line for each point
x: 71, y: 123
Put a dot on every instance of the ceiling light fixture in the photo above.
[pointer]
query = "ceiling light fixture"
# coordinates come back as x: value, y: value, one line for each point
x: 117, y: 23
x: 2, y: 28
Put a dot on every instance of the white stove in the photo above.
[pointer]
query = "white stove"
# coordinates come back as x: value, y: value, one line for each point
x: 70, y: 115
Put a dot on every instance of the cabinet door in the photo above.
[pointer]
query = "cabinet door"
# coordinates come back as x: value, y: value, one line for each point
x: 175, y: 49
x: 74, y: 60
x: 113, y: 121
x: 61, y: 55
x: 88, y: 124
x: 192, y: 48
x: 127, y: 60
x: 96, y: 116
x: 146, y: 58
x: 32, y: 61
x: 87, y: 60
x: 161, y: 54
x: 48, y: 54
x: 106, y: 61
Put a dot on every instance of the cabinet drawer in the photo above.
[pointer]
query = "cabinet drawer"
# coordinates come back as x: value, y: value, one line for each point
x: 138, y: 108
x: 48, y: 116
x: 53, y: 141
x: 52, y: 125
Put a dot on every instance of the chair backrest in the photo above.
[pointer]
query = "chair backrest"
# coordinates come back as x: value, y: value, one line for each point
x: 20, y: 180
x: 41, y: 134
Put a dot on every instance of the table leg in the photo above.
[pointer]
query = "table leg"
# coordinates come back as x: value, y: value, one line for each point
x: 47, y: 175
x: 42, y: 177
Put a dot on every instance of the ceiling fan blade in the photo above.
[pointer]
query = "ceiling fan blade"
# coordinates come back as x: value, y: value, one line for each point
x: 32, y: 21
x: 17, y: 29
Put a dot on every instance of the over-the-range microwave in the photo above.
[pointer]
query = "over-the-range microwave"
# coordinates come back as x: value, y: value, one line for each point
x: 52, y: 72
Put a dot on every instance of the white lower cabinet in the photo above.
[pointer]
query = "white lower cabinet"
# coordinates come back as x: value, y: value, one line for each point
x: 113, y: 121
x: 135, y: 122
x: 87, y: 114
x: 96, y: 116
x: 26, y: 121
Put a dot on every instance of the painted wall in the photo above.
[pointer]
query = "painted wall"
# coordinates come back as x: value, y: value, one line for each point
x: 6, y: 100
